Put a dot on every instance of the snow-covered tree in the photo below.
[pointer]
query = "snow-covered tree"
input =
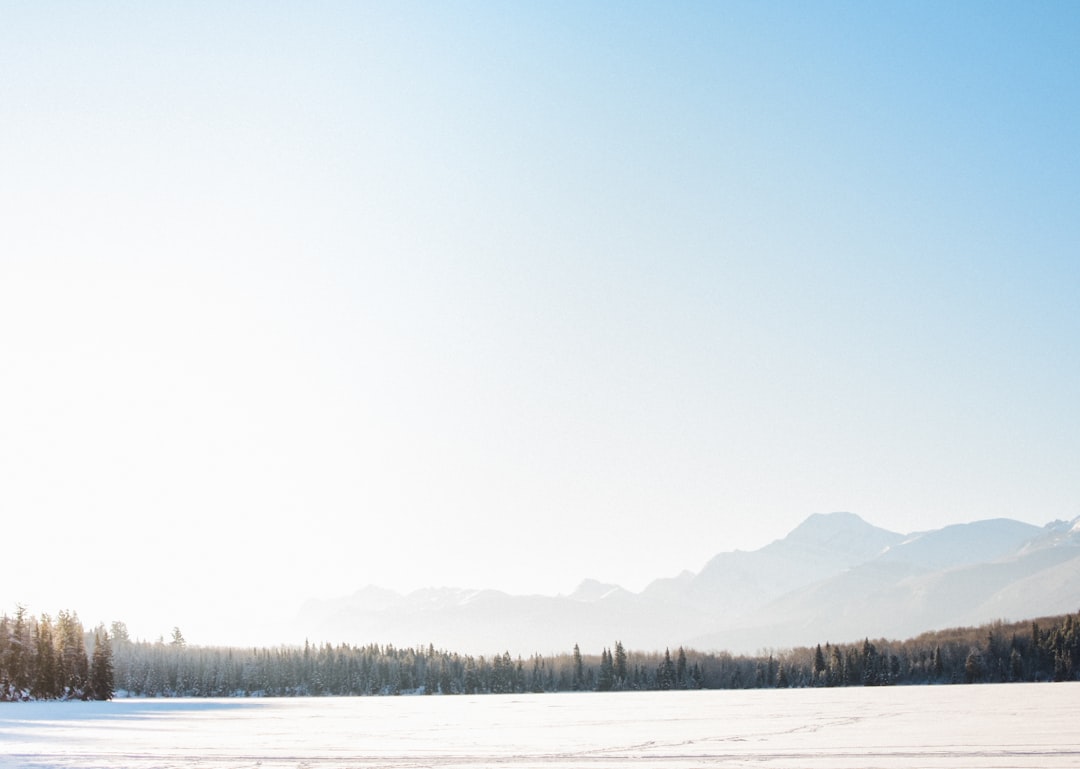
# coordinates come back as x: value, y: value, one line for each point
x: 102, y: 680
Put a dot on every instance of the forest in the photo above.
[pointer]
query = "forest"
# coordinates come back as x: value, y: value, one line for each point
x: 46, y: 658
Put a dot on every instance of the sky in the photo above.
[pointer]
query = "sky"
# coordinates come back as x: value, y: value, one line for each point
x: 301, y: 297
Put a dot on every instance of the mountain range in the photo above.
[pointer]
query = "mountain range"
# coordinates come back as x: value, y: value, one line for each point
x: 834, y: 578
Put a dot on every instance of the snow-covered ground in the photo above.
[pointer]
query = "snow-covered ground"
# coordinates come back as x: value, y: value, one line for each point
x: 1016, y: 725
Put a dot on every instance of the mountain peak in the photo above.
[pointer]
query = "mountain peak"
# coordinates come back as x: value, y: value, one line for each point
x: 834, y: 576
x: 831, y: 529
x: 593, y: 590
x: 843, y: 535
x: 819, y: 523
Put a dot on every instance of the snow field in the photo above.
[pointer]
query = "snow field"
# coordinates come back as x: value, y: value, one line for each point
x: 1011, y: 725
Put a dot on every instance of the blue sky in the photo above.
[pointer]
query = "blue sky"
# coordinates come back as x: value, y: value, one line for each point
x: 302, y: 297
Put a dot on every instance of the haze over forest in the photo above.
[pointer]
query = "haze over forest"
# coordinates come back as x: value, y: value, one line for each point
x: 835, y: 577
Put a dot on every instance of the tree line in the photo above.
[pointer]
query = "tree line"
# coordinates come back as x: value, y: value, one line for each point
x: 45, y: 659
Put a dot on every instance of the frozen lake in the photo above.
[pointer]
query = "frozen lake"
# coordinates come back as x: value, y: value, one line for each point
x: 1014, y: 725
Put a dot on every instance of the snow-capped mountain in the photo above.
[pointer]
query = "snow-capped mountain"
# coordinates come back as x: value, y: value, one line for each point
x: 963, y: 544
x: 820, y: 547
x: 834, y: 578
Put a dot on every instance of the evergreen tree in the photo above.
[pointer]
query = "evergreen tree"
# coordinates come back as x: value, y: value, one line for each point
x: 619, y: 663
x: 836, y: 666
x: 606, y: 680
x: 973, y: 668
x: 19, y: 657
x: 536, y: 678
x: 501, y: 674
x: 1016, y: 666
x: 73, y: 662
x: 5, y: 634
x: 665, y: 674
x: 102, y: 682
x: 472, y: 678
x: 47, y: 680
x: 118, y: 635
x: 819, y: 665
x: 446, y: 685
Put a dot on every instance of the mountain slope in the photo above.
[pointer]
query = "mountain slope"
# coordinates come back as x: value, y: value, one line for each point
x: 834, y: 578
x: 822, y: 546
x: 963, y: 544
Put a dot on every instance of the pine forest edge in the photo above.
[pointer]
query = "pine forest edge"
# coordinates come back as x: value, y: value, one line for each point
x: 44, y: 658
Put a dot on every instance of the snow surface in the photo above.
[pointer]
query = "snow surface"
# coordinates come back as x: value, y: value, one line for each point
x: 1013, y: 725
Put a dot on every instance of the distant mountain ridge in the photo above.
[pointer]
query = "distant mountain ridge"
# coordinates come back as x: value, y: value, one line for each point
x: 835, y: 577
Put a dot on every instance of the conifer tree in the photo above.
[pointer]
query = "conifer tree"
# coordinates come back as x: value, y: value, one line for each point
x: 819, y: 665
x: 836, y: 666
x: 619, y: 663
x: 937, y: 665
x: 73, y: 662
x: 973, y: 667
x: 102, y: 683
x: 119, y: 634
x: 606, y: 680
x: 19, y: 656
x: 665, y: 674
x: 5, y: 633
x: 472, y: 678
x: 46, y: 683
x: 446, y: 685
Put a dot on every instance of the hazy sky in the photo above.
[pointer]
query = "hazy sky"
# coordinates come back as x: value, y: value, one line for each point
x: 300, y: 297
